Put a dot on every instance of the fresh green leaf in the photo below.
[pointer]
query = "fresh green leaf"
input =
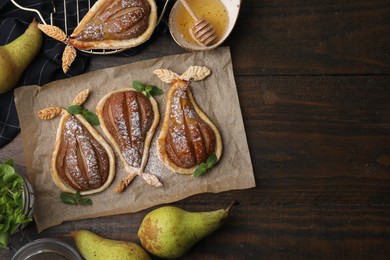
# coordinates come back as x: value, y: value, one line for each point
x: 7, y: 169
x: 75, y: 109
x: 11, y: 202
x: 68, y: 198
x: 211, y: 161
x: 155, y: 91
x: 9, y: 162
x: 85, y: 201
x: 9, y: 178
x: 7, y: 223
x: 202, y: 168
x: 139, y: 86
x: 90, y: 117
x: 4, y: 236
x: 148, y: 88
x: 74, y: 199
x: 77, y: 196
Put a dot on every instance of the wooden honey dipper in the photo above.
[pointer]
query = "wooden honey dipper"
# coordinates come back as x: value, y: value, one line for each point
x: 202, y: 31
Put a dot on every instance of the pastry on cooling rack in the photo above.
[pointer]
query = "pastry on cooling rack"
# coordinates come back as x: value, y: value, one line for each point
x: 115, y: 24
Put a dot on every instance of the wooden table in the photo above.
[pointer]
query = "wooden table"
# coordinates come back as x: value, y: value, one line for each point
x: 313, y: 80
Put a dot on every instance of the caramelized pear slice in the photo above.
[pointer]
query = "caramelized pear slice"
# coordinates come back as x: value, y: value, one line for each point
x: 129, y: 119
x: 187, y: 136
x: 112, y: 24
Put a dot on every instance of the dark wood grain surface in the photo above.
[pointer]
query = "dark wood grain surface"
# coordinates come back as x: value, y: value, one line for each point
x: 313, y: 81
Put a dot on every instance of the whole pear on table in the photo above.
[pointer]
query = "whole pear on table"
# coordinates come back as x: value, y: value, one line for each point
x: 170, y: 232
x: 94, y: 247
x: 17, y: 55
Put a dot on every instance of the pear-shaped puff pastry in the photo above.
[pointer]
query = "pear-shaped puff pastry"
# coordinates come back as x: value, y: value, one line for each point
x: 114, y: 24
x: 82, y: 160
x: 129, y: 119
x: 187, y: 137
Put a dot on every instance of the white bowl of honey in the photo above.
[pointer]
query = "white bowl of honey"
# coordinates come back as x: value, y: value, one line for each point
x: 222, y: 14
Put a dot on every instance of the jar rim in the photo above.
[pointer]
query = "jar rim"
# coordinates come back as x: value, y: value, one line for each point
x: 47, y: 245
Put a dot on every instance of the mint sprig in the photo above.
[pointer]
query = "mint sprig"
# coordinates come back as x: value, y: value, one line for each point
x: 149, y: 90
x: 75, y: 199
x: 88, y: 115
x: 11, y: 202
x: 203, y: 167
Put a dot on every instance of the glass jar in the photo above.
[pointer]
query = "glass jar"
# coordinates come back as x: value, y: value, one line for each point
x: 39, y: 249
x: 47, y: 248
x: 28, y: 201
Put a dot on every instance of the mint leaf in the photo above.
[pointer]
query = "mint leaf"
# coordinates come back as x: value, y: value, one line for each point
x: 67, y: 198
x: 155, y: 91
x: 7, y: 169
x: 75, y: 109
x: 211, y: 161
x: 85, y: 201
x: 139, y: 86
x: 90, y: 117
x: 202, y: 168
x: 150, y: 90
x: 77, y: 196
x: 11, y: 202
x: 75, y: 199
x: 9, y: 162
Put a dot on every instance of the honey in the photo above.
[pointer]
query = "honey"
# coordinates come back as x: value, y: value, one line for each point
x: 212, y: 10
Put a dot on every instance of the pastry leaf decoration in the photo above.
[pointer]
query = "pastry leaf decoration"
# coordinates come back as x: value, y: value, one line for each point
x: 149, y: 90
x: 166, y: 75
x: 70, y: 53
x: 68, y: 56
x: 49, y: 113
x: 75, y: 199
x: 203, y: 167
x: 88, y: 115
x: 195, y: 73
x: 53, y: 32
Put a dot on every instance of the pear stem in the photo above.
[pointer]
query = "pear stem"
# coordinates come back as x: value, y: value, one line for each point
x: 231, y: 205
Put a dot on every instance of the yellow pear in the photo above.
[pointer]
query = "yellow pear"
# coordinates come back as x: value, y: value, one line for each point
x: 170, y: 232
x: 94, y: 247
x: 17, y: 55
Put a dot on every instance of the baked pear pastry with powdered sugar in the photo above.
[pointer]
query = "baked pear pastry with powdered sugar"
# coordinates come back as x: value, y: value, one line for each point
x: 187, y: 137
x: 82, y: 160
x: 129, y: 119
x: 112, y: 24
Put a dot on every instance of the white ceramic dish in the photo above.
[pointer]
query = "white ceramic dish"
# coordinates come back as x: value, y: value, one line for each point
x: 232, y: 8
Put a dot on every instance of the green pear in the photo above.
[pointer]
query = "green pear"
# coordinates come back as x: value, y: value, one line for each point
x: 17, y: 55
x: 170, y: 232
x: 94, y: 247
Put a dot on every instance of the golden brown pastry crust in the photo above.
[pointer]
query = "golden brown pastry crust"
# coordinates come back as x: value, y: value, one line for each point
x: 148, y: 139
x: 55, y: 174
x: 112, y: 44
x: 164, y: 131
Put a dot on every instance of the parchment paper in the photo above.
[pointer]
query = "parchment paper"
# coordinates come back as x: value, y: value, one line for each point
x: 216, y: 96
